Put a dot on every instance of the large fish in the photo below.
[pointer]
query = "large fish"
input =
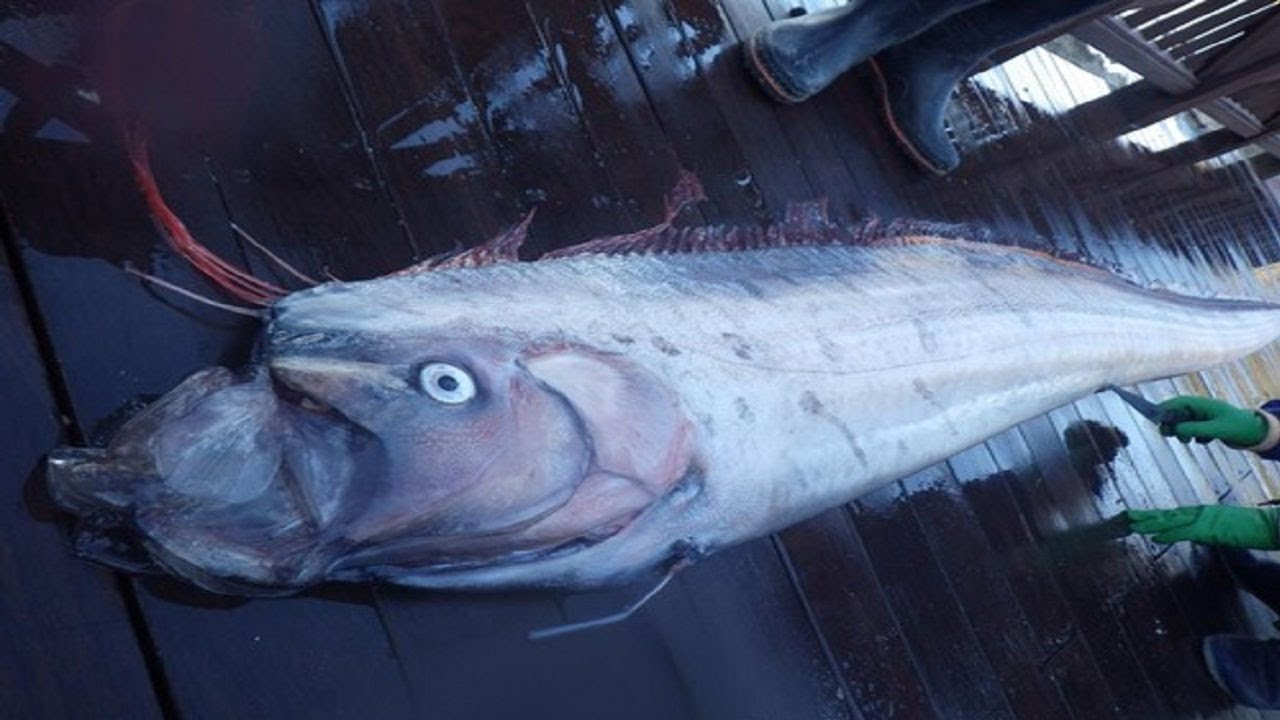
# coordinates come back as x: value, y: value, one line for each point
x: 626, y: 405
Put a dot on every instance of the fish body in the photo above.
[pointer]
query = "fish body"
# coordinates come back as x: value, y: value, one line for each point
x: 574, y: 422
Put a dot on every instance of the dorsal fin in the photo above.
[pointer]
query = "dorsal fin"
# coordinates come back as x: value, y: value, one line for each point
x: 686, y: 192
x: 810, y: 214
x: 504, y: 247
x: 230, y: 278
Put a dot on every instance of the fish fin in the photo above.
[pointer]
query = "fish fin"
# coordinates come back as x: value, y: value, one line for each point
x: 274, y: 258
x: 502, y: 248
x: 658, y: 238
x: 567, y: 628
x: 688, y: 191
x: 809, y: 214
x: 806, y: 224
x: 895, y: 233
x: 231, y: 279
x: 902, y: 233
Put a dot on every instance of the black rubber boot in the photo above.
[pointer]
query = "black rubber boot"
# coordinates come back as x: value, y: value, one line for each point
x: 1257, y: 576
x: 916, y: 78
x: 1245, y: 668
x: 794, y: 58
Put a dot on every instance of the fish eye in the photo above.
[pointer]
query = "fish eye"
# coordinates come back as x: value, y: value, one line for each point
x: 445, y: 383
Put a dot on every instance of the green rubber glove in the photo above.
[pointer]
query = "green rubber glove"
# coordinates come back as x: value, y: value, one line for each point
x: 1212, y: 419
x: 1231, y: 525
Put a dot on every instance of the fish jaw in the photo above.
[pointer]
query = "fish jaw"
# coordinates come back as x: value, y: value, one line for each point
x: 210, y: 483
x: 89, y: 480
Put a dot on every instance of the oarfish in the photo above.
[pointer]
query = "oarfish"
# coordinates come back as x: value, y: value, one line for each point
x: 619, y: 407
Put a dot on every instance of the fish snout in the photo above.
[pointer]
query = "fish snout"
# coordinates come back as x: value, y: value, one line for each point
x: 317, y: 383
x: 87, y: 481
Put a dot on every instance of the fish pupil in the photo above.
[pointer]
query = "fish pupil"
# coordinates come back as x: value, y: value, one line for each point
x: 448, y: 383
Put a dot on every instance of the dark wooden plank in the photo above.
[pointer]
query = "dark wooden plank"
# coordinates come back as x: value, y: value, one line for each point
x: 1147, y: 14
x: 1140, y: 104
x: 530, y: 117
x: 597, y: 76
x: 1264, y: 101
x: 1149, y: 473
x: 1068, y: 657
x: 116, y: 341
x: 69, y: 650
x: 694, y: 38
x: 1051, y: 513
x: 709, y: 646
x: 1154, y: 622
x: 802, y: 127
x: 974, y: 572
x: 1157, y: 599
x: 290, y: 160
x: 422, y: 127
x: 850, y: 607
x: 676, y: 93
x: 885, y: 181
x: 957, y: 677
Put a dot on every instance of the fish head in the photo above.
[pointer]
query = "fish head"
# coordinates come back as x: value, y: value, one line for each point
x: 352, y: 455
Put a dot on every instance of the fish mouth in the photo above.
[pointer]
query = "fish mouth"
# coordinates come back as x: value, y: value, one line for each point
x: 205, y: 483
x: 107, y: 481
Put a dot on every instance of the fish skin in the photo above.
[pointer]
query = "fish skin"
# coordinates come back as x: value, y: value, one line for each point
x: 733, y: 393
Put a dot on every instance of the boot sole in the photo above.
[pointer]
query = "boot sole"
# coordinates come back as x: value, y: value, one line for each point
x: 764, y: 76
x: 882, y: 89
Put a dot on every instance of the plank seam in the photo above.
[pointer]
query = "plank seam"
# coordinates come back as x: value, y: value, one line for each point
x: 61, y: 393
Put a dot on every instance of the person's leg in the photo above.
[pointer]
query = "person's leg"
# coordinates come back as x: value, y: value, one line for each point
x: 794, y: 58
x: 1255, y: 575
x: 916, y: 77
x: 1247, y: 669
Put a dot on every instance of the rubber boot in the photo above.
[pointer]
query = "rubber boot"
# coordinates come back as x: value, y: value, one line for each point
x: 1245, y: 668
x: 916, y: 78
x: 1255, y: 575
x: 793, y: 59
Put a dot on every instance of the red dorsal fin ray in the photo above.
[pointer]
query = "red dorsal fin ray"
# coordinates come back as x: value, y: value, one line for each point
x: 504, y: 247
x: 228, y: 277
x: 686, y: 192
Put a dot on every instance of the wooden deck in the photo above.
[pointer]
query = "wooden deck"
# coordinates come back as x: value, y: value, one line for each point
x: 357, y: 136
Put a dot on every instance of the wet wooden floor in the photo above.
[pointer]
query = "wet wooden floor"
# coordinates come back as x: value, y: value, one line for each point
x: 357, y: 136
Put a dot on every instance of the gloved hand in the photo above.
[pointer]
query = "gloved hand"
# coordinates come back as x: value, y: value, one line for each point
x: 1212, y: 419
x: 1231, y: 525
